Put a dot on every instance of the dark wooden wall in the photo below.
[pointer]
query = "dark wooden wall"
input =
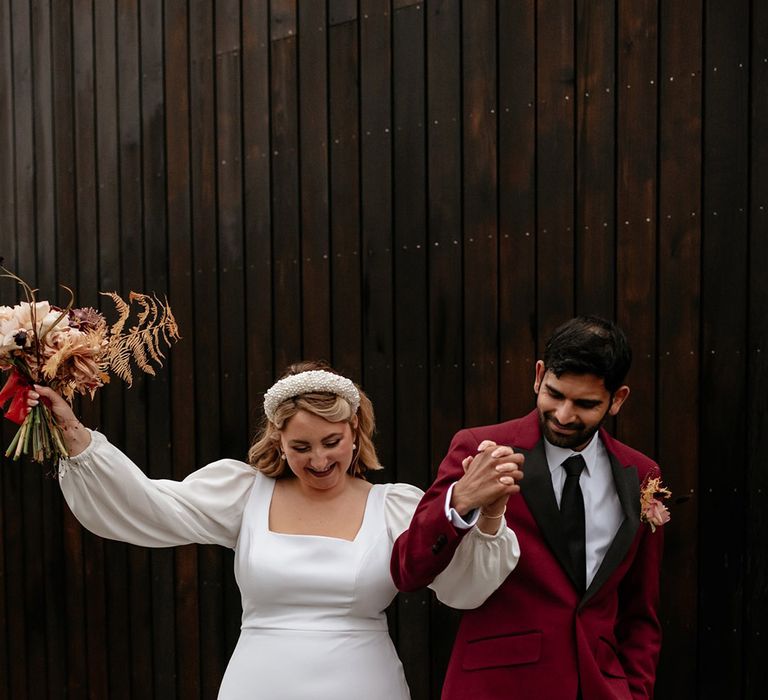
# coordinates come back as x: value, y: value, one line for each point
x: 419, y: 192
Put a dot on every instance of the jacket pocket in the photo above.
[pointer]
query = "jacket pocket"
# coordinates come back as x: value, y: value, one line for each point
x: 608, y: 661
x: 508, y: 650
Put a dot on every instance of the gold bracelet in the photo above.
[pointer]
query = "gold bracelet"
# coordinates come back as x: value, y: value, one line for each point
x: 493, y: 517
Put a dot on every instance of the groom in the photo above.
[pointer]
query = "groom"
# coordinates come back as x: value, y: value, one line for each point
x: 578, y: 616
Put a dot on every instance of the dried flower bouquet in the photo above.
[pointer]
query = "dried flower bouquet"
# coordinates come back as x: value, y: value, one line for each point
x: 73, y: 351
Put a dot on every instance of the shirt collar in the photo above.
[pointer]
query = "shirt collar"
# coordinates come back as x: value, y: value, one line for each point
x: 557, y: 455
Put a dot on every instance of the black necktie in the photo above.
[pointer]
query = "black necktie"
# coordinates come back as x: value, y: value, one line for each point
x: 572, y: 515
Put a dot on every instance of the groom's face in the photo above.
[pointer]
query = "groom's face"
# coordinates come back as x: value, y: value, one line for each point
x: 572, y: 407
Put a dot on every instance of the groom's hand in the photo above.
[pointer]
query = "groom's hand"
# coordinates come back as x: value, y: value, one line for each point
x: 489, y: 478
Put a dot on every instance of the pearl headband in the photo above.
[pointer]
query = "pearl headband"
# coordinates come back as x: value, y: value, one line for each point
x: 314, y: 380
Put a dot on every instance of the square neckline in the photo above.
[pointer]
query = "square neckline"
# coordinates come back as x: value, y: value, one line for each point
x: 360, y: 529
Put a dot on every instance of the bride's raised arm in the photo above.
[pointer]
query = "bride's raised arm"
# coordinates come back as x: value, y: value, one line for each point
x: 113, y: 498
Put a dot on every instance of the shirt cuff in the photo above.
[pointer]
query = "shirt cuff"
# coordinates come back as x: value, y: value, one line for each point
x: 453, y: 515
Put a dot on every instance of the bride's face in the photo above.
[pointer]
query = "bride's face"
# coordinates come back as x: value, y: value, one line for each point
x: 318, y: 452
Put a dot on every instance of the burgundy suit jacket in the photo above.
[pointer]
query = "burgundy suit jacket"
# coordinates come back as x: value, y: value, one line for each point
x: 536, y: 637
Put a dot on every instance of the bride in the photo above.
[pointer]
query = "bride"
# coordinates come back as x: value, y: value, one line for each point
x: 312, y: 537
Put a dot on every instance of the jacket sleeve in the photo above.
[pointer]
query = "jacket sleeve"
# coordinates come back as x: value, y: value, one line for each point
x: 426, y: 548
x: 638, y: 630
x: 480, y: 564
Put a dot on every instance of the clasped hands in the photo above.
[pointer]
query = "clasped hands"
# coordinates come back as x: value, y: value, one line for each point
x: 490, y: 478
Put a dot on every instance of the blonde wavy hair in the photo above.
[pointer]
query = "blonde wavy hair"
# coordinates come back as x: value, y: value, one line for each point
x: 265, y: 452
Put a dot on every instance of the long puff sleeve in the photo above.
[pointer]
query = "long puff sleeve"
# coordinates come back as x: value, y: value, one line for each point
x: 113, y: 498
x: 480, y: 564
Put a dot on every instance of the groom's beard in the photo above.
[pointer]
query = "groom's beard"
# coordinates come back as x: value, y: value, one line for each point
x: 574, y: 441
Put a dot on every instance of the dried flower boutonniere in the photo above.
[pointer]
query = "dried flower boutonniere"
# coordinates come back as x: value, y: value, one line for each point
x: 652, y: 510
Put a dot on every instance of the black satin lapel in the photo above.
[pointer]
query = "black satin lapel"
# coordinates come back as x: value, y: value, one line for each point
x: 628, y: 491
x: 537, y: 490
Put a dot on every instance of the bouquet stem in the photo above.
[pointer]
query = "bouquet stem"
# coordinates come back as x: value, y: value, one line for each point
x: 40, y: 432
x: 14, y: 442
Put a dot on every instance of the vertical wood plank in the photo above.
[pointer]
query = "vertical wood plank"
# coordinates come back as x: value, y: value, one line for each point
x: 595, y: 163
x: 40, y: 31
x: 110, y: 279
x: 66, y: 252
x: 28, y: 488
x: 445, y: 288
x: 234, y: 414
x: 7, y: 146
x: 444, y: 181
x: 63, y: 133
x: 182, y: 360
x: 410, y: 259
x: 15, y: 629
x: 155, y: 264
x: 87, y: 288
x: 282, y: 19
x: 206, y: 315
x: 4, y: 655
x: 756, y: 544
x: 555, y: 80
x: 343, y: 59
x: 108, y: 168
x: 132, y: 243
x: 479, y: 134
x: 411, y: 308
x: 4, y: 673
x: 23, y: 116
x: 51, y: 544
x: 313, y: 147
x: 679, y: 238
x: 285, y: 184
x: 636, y: 203
x: 724, y: 308
x: 376, y: 222
x: 256, y: 198
x: 230, y: 223
x: 88, y: 262
x: 85, y: 151
x: 376, y: 242
x: 340, y: 11
x: 517, y: 206
x: 8, y: 246
x: 14, y: 551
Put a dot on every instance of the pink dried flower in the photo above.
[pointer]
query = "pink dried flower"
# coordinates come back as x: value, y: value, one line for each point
x: 86, y: 319
x: 652, y: 510
x: 657, y: 514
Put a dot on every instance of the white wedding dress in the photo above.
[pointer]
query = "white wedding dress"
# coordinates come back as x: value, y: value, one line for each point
x: 313, y: 625
x: 313, y: 610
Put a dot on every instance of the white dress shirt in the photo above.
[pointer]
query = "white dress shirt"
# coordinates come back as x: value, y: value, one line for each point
x: 453, y: 515
x: 603, y: 513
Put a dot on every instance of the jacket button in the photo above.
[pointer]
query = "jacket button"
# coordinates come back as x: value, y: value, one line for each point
x: 439, y: 544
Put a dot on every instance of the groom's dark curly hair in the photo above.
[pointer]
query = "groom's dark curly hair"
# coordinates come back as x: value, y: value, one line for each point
x: 589, y: 345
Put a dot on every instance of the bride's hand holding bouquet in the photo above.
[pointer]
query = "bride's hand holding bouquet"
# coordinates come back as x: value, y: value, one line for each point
x: 74, y: 435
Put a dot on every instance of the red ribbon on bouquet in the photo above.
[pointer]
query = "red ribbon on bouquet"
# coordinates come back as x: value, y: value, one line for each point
x: 16, y: 389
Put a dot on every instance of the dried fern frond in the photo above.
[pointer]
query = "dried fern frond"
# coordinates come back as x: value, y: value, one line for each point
x: 141, y: 343
x: 122, y: 308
